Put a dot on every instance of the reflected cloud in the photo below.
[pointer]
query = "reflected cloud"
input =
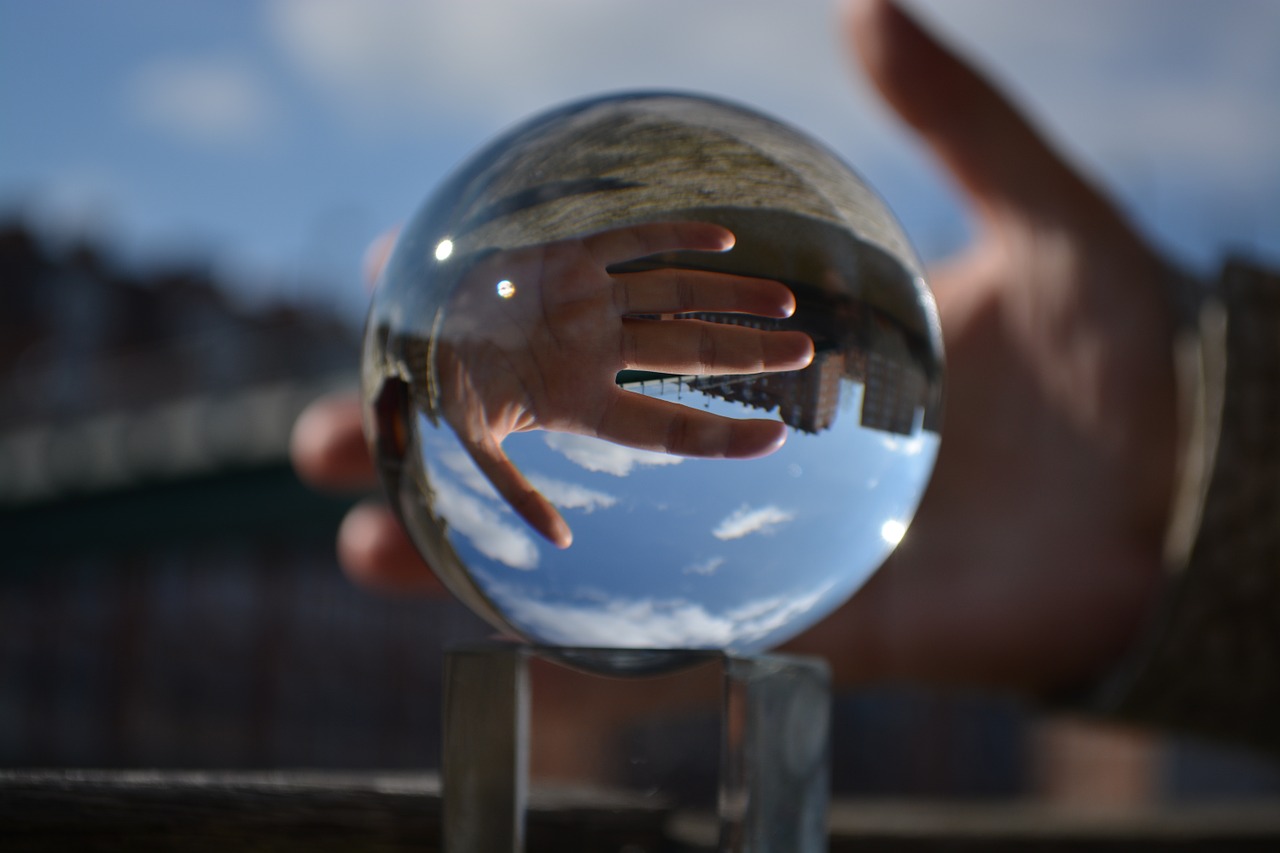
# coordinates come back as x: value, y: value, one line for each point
x: 904, y: 445
x: 744, y: 521
x: 482, y: 526
x: 705, y: 567
x: 652, y: 623
x: 595, y: 454
x: 571, y: 495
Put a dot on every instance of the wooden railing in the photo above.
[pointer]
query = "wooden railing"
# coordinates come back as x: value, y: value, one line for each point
x: 313, y: 811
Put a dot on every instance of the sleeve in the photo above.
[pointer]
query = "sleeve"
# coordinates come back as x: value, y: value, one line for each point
x: 1211, y: 663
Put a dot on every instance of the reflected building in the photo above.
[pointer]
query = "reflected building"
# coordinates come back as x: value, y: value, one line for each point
x: 807, y: 400
x: 894, y: 385
x: 852, y: 341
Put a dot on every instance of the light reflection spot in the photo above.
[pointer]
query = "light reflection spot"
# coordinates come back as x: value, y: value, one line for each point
x: 444, y: 249
x: 506, y: 289
x: 892, y: 531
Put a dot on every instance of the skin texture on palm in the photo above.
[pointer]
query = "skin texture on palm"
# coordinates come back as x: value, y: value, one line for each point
x: 1037, y: 550
x: 534, y: 339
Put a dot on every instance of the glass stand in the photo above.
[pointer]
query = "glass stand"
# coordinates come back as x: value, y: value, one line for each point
x: 772, y: 782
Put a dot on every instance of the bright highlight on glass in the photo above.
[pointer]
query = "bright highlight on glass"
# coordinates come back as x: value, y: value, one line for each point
x: 663, y: 443
x: 892, y: 531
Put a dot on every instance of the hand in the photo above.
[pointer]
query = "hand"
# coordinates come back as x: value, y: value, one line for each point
x: 534, y: 338
x: 1037, y: 550
x: 487, y: 373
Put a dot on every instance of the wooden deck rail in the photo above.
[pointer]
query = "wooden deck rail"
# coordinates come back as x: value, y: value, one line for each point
x: 324, y: 811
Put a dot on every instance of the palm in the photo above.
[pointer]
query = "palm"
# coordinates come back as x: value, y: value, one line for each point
x: 1035, y: 551
x: 533, y: 339
x: 1039, y: 538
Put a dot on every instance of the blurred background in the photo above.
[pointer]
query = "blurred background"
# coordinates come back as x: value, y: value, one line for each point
x: 186, y: 194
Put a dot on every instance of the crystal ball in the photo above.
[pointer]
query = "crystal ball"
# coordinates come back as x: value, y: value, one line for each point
x: 653, y: 371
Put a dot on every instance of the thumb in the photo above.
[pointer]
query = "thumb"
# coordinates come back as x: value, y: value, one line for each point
x: 998, y: 158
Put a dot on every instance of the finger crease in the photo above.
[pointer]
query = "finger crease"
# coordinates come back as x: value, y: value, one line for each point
x: 678, y: 436
x: 706, y: 350
x: 628, y: 348
x: 684, y: 295
x: 621, y: 297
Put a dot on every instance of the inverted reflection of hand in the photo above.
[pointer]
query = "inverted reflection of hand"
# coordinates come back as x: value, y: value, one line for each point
x: 534, y: 339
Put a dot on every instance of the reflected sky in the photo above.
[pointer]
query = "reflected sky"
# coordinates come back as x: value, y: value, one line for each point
x: 671, y: 551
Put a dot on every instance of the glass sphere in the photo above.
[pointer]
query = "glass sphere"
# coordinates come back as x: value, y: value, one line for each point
x: 653, y: 371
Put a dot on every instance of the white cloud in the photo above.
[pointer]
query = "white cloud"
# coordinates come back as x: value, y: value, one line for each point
x: 904, y: 445
x: 1169, y: 103
x: 495, y: 61
x: 744, y: 521
x: 563, y: 494
x: 624, y: 623
x: 571, y: 495
x: 595, y: 454
x: 706, y: 567
x: 1157, y: 84
x: 211, y: 101
x: 486, y: 529
x: 650, y: 623
x: 759, y: 618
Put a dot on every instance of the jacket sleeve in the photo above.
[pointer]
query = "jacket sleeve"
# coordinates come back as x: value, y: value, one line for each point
x: 1211, y: 663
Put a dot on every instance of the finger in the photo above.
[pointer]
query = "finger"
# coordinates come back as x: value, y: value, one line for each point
x: 698, y: 347
x: 671, y: 291
x: 995, y: 154
x: 527, y: 501
x: 328, y: 448
x: 651, y: 424
x: 376, y: 553
x: 639, y: 241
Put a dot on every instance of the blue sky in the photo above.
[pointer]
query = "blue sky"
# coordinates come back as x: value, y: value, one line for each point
x: 274, y: 140
x: 677, y: 552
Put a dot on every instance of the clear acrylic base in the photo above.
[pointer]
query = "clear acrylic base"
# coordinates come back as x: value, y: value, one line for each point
x: 772, y: 773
